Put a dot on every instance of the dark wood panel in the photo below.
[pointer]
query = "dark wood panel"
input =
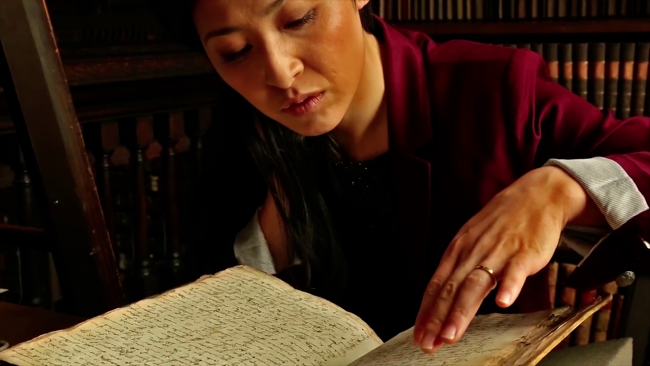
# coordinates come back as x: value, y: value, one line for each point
x: 135, y: 98
x: 134, y: 68
x: 51, y: 138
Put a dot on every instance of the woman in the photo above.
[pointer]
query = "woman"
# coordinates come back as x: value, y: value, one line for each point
x: 402, y: 177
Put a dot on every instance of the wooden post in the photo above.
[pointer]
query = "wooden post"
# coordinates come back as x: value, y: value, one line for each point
x: 46, y: 122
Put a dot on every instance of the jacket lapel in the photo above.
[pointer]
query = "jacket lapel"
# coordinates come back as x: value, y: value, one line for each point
x: 409, y: 120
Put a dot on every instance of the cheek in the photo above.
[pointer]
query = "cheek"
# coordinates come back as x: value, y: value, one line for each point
x: 337, y: 48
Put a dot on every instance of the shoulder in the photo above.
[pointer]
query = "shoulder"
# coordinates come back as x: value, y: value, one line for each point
x: 462, y: 65
x: 466, y: 54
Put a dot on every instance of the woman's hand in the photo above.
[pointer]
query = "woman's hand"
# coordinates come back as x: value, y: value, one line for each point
x: 515, y: 235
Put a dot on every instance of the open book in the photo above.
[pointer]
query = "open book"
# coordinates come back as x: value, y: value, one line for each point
x: 242, y: 316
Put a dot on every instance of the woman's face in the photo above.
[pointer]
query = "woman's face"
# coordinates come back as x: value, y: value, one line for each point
x: 297, y: 61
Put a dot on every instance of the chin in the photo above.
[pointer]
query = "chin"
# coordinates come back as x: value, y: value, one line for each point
x: 311, y: 128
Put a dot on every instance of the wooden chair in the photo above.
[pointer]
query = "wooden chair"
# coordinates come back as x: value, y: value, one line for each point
x: 75, y: 231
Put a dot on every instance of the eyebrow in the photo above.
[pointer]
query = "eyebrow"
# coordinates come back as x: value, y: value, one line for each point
x: 228, y: 30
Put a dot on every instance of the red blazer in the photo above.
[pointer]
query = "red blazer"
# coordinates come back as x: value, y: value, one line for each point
x: 466, y: 120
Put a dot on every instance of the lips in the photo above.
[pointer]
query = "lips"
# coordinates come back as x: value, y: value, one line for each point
x: 303, y: 104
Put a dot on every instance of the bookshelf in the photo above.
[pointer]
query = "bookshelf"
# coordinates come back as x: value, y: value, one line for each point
x: 530, y: 27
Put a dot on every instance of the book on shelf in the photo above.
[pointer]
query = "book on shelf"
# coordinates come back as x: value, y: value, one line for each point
x: 507, y: 10
x: 611, y: 76
x: 244, y: 316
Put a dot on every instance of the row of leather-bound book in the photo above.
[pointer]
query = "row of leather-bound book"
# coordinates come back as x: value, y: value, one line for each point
x: 506, y: 10
x: 611, y: 76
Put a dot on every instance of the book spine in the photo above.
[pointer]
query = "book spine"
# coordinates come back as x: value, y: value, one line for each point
x: 593, y: 8
x: 615, y: 316
x: 640, y: 78
x: 603, y: 316
x: 562, y: 9
x: 521, y: 9
x: 611, y: 8
x: 432, y: 10
x: 583, y: 8
x: 597, y: 74
x: 626, y: 79
x: 550, y: 11
x: 582, y: 333
x: 478, y: 6
x: 459, y: 10
x: 575, y: 8
x: 566, y: 76
x: 533, y: 9
x: 612, y: 70
x: 550, y: 54
x: 581, y: 69
x: 552, y: 273
x: 566, y: 295
x: 469, y: 10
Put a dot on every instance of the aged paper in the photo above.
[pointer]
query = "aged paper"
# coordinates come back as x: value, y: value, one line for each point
x: 485, y: 338
x: 490, y: 340
x: 238, y: 317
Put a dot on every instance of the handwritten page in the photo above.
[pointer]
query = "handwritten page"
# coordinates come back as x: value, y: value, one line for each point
x: 490, y: 340
x: 238, y: 317
x: 486, y: 338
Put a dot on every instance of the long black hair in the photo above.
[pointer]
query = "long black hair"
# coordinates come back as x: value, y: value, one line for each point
x: 296, y: 169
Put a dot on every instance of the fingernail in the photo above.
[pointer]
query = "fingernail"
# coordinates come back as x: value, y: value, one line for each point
x: 449, y: 332
x: 504, y: 299
x: 427, y: 343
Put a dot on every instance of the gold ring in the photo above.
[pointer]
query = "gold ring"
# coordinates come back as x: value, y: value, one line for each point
x: 490, y: 272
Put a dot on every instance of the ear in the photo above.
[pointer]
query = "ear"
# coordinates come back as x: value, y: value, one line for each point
x: 361, y: 3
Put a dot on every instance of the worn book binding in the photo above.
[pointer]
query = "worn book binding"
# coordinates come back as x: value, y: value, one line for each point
x: 243, y: 316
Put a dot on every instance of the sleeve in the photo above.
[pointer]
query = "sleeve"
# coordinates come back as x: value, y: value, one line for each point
x: 251, y: 248
x: 613, y: 191
x: 564, y: 127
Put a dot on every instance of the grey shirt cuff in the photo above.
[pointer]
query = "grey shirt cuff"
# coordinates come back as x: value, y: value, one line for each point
x: 613, y: 192
x: 608, y: 185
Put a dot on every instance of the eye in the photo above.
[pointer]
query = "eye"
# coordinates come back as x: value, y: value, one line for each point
x: 234, y: 56
x: 307, y: 18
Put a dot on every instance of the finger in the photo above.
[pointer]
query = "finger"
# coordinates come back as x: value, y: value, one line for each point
x: 514, y: 276
x: 442, y: 305
x: 436, y: 346
x: 444, y: 270
x: 476, y: 286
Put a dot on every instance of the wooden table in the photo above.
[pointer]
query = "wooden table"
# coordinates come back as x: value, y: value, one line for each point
x: 20, y: 323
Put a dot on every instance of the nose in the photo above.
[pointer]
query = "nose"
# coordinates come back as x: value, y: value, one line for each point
x: 282, y: 67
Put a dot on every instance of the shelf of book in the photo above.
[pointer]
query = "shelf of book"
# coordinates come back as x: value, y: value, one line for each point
x: 533, y: 28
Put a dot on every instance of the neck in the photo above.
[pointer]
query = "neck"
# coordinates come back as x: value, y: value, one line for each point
x: 363, y: 131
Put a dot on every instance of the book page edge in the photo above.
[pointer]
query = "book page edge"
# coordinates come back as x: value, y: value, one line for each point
x: 565, y: 328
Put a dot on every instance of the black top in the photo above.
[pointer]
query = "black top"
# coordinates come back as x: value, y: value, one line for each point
x: 368, y: 231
